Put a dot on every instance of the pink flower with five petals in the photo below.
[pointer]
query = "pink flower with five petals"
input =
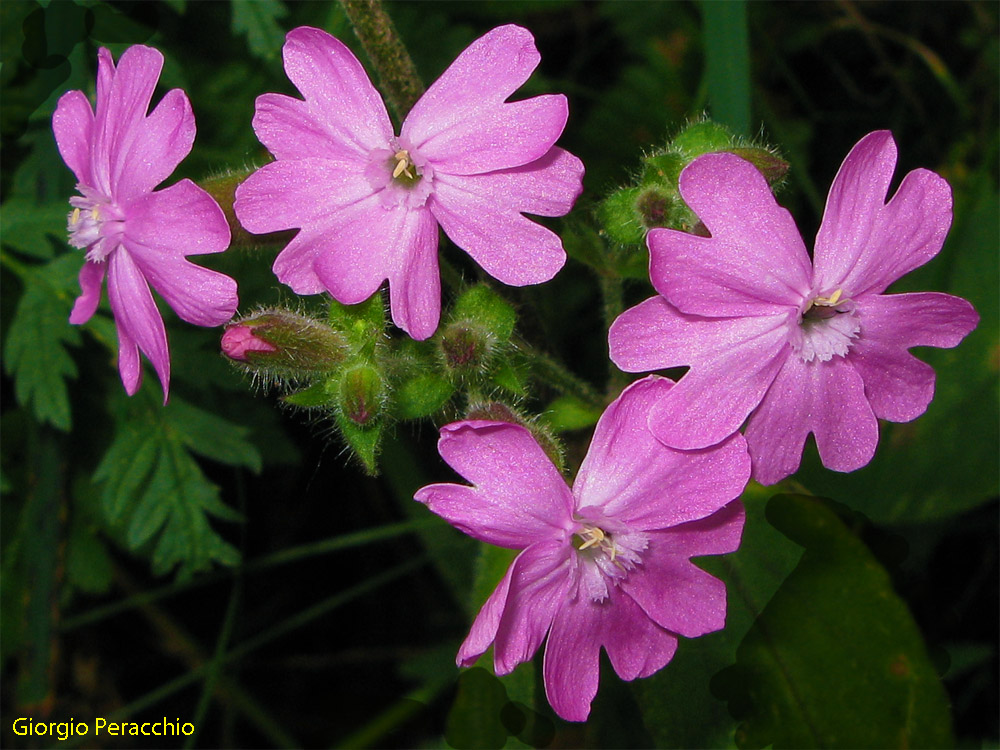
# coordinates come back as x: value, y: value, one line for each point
x: 368, y: 202
x: 799, y: 346
x: 136, y: 236
x: 604, y: 564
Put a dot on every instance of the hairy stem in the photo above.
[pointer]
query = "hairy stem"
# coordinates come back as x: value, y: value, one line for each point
x: 396, y: 71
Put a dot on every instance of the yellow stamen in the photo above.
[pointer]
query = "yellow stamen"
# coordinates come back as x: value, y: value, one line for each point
x: 403, y: 164
x: 76, y: 216
x: 596, y: 536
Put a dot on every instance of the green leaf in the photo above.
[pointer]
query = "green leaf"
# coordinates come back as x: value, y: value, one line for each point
x: 364, y: 442
x: 421, y: 396
x: 569, y: 413
x: 88, y: 566
x: 727, y: 62
x: 35, y: 353
x: 212, y: 436
x: 677, y: 703
x: 29, y: 227
x: 835, y: 659
x: 155, y: 491
x: 258, y: 20
x: 313, y: 397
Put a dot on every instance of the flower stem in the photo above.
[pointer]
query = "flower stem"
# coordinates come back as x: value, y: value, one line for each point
x: 400, y: 82
x: 613, y: 305
x: 552, y: 372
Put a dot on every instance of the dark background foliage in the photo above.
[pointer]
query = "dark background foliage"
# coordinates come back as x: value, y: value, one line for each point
x: 340, y: 624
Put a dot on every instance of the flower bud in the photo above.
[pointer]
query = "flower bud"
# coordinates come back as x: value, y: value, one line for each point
x: 768, y: 163
x: 362, y: 395
x: 222, y: 188
x: 284, y: 344
x: 465, y: 348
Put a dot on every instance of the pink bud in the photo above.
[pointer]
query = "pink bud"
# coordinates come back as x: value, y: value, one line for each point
x: 239, y: 339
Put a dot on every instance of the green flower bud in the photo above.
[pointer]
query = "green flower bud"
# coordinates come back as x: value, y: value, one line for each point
x: 362, y: 395
x: 465, y: 348
x: 283, y: 344
x: 618, y: 217
x: 768, y: 163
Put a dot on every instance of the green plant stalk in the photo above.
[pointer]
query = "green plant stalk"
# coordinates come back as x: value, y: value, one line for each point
x: 398, y: 75
x: 546, y: 368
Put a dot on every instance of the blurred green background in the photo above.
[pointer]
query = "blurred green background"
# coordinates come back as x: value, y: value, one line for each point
x: 225, y: 562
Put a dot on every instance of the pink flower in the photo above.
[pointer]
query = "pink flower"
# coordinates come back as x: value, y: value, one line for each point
x: 798, y: 346
x: 368, y: 202
x: 135, y: 236
x: 239, y: 340
x: 604, y: 564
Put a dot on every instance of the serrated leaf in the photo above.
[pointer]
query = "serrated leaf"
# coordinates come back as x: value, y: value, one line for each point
x: 35, y: 353
x: 258, y: 20
x: 835, y: 660
x: 211, y: 436
x: 29, y: 228
x: 156, y: 491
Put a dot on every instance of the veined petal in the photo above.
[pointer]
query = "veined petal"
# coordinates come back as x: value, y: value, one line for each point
x: 673, y: 591
x: 539, y: 586
x: 546, y: 187
x: 294, y: 193
x: 139, y: 322
x: 571, y: 668
x: 635, y: 478
x: 119, y: 124
x: 755, y: 258
x: 73, y: 124
x: 825, y: 398
x: 293, y: 129
x: 484, y: 628
x: 161, y: 142
x: 864, y: 244
x: 508, y: 246
x: 487, y: 72
x: 91, y: 281
x: 898, y: 385
x: 496, y: 136
x: 732, y: 360
x: 636, y: 645
x: 367, y: 244
x: 162, y: 228
x: 337, y: 88
x: 414, y: 279
x: 507, y: 468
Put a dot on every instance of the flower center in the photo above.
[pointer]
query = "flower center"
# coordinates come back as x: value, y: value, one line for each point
x: 825, y: 327
x: 603, y: 556
x: 399, y: 175
x: 95, y: 224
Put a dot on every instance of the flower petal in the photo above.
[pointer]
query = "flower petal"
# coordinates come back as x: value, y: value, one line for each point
x: 294, y: 193
x: 508, y: 246
x: 825, y: 398
x: 119, y: 124
x: 139, y: 322
x: 755, y: 258
x: 673, y: 591
x: 293, y: 129
x: 161, y: 142
x: 337, y: 88
x: 162, y: 228
x: 72, y: 124
x: 546, y: 187
x: 539, y: 583
x: 496, y: 136
x: 898, y: 385
x: 864, y: 244
x: 635, y: 478
x: 571, y: 667
x: 487, y: 72
x: 506, y: 466
x: 91, y: 280
x: 733, y: 361
x: 484, y: 627
x: 636, y: 645
x: 414, y: 279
